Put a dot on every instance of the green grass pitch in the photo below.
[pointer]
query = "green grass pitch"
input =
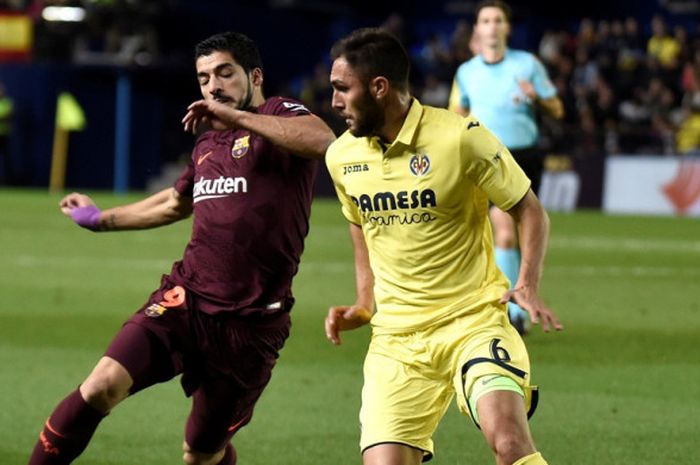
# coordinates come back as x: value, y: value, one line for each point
x: 620, y: 385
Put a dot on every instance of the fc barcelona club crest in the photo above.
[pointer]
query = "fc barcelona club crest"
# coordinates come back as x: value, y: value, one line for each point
x: 240, y: 147
x: 420, y: 164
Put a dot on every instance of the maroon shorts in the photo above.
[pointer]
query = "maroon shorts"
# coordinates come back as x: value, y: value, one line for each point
x: 226, y: 360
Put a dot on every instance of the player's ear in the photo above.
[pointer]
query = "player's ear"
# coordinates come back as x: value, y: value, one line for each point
x: 379, y: 87
x: 256, y: 76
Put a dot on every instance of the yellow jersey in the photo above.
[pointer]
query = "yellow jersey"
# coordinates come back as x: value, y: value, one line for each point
x: 422, y: 203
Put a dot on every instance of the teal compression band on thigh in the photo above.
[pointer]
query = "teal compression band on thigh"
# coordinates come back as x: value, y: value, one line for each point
x: 485, y: 384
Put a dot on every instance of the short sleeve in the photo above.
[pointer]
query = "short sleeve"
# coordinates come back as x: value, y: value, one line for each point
x: 184, y: 184
x: 349, y: 208
x: 282, y: 106
x: 490, y: 166
x: 541, y: 82
x: 458, y: 98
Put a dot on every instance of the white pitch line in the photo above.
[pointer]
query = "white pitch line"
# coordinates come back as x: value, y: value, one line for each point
x: 617, y: 271
x: 34, y: 261
x: 629, y: 245
x: 326, y: 267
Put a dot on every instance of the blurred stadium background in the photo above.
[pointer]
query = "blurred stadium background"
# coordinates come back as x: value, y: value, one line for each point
x: 619, y: 385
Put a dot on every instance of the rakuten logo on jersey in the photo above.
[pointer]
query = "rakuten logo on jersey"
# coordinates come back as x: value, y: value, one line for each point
x: 206, y: 189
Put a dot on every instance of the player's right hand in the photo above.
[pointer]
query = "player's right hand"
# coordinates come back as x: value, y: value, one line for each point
x: 210, y: 113
x: 345, y: 317
x: 528, y: 298
x: 82, y: 210
x: 74, y: 200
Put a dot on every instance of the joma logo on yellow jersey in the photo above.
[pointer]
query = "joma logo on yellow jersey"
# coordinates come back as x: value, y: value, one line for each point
x: 401, y: 200
x: 357, y: 168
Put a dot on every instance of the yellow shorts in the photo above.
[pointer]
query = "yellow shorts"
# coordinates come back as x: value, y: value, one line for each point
x: 411, y: 378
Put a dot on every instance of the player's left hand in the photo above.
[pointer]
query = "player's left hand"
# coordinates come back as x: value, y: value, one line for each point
x: 528, y: 89
x: 215, y: 114
x: 530, y: 301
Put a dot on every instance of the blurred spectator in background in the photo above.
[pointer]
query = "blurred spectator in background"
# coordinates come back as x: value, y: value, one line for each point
x: 660, y: 101
x: 503, y: 87
x: 663, y: 52
x: 635, y: 118
x: 396, y: 25
x: 688, y: 135
x: 120, y: 34
x: 630, y: 58
x: 462, y: 43
x: 435, y: 57
x: 633, y: 39
x: 586, y: 37
x: 661, y: 46
x: 316, y: 94
x: 435, y: 93
x: 585, y: 75
x: 6, y: 110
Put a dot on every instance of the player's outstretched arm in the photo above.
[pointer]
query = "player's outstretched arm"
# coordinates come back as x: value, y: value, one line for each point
x: 164, y: 207
x: 306, y: 136
x: 553, y: 106
x: 533, y: 233
x: 344, y: 317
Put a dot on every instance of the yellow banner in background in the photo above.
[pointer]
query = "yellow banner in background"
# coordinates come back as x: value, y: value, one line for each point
x: 15, y: 33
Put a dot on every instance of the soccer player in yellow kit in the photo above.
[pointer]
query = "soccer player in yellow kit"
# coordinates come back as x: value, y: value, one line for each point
x: 415, y: 183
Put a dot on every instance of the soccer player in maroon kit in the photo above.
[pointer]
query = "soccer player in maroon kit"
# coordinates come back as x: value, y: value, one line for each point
x: 222, y: 314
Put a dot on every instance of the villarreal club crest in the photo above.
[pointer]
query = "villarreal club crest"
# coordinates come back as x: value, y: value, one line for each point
x: 419, y: 164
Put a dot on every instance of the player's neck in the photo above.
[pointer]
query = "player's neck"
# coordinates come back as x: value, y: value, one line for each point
x: 494, y: 54
x: 396, y: 114
x: 258, y: 98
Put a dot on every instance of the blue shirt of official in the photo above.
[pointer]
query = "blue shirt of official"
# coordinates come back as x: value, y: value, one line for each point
x: 490, y: 91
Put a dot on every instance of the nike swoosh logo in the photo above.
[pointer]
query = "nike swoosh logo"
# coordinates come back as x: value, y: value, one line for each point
x: 486, y: 381
x: 201, y: 158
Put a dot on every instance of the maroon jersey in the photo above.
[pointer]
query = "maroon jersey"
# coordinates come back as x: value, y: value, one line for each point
x: 252, y: 202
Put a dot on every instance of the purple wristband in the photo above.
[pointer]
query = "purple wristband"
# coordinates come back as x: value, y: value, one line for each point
x: 87, y: 217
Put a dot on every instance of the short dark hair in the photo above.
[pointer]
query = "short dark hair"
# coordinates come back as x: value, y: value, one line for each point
x: 507, y: 12
x: 240, y: 46
x: 374, y: 52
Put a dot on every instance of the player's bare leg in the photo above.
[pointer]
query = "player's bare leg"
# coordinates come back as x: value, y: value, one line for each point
x: 503, y: 421
x: 392, y: 454
x: 107, y: 385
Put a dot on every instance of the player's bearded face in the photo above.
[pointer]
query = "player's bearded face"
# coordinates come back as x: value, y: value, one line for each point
x: 353, y: 100
x: 225, y: 81
x: 235, y: 98
x: 368, y: 115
